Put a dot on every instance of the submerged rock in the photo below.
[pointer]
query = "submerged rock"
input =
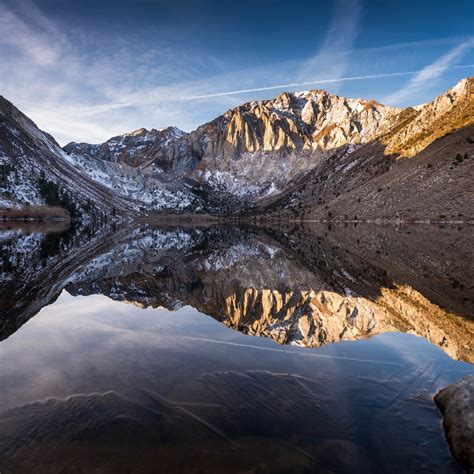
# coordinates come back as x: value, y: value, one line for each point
x: 456, y: 403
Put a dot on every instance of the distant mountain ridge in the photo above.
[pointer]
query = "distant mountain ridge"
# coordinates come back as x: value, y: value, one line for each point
x: 250, y: 156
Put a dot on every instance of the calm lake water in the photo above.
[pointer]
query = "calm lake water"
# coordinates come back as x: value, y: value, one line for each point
x: 212, y: 349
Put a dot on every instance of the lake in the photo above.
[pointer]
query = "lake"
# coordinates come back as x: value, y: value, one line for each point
x: 287, y: 348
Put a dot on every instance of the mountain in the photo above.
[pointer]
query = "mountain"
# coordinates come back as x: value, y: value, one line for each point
x: 309, y: 154
x: 147, y: 166
x: 367, y: 185
x: 98, y: 188
x: 27, y: 154
x: 420, y: 168
x: 252, y: 150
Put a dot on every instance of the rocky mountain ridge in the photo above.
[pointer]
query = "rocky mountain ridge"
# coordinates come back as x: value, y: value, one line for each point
x: 256, y: 157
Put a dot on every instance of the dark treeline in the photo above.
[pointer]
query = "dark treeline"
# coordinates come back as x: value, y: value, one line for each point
x: 55, y: 195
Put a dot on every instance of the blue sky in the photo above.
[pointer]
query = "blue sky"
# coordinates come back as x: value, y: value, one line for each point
x: 87, y: 70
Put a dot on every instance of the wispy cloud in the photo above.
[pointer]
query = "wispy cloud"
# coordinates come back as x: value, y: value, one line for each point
x: 340, y: 36
x: 61, y: 78
x: 30, y: 41
x: 429, y: 74
x: 433, y: 71
x: 90, y: 85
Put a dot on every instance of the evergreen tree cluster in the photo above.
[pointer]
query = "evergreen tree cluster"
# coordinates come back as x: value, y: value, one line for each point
x: 5, y: 170
x: 55, y: 195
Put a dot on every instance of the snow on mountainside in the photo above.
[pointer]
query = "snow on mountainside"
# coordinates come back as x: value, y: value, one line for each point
x: 137, y: 184
x: 267, y: 144
x: 144, y: 165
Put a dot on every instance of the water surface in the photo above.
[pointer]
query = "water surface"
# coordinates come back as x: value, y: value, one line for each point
x: 225, y: 349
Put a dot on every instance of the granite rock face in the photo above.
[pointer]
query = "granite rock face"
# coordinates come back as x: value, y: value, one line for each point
x: 424, y: 124
x: 253, y: 149
x: 418, y: 169
x: 274, y: 141
x: 456, y: 402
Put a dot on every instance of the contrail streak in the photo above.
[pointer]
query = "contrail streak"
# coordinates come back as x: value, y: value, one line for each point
x: 323, y: 81
x: 287, y: 351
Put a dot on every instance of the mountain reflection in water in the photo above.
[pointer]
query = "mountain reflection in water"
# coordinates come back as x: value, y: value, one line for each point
x: 91, y: 383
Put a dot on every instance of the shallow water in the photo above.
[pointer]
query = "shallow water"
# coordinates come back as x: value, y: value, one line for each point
x: 219, y: 349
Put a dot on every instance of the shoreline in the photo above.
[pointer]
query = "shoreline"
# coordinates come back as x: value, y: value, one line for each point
x: 235, y: 220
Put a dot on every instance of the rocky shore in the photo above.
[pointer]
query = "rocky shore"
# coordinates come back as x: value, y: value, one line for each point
x: 456, y: 403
